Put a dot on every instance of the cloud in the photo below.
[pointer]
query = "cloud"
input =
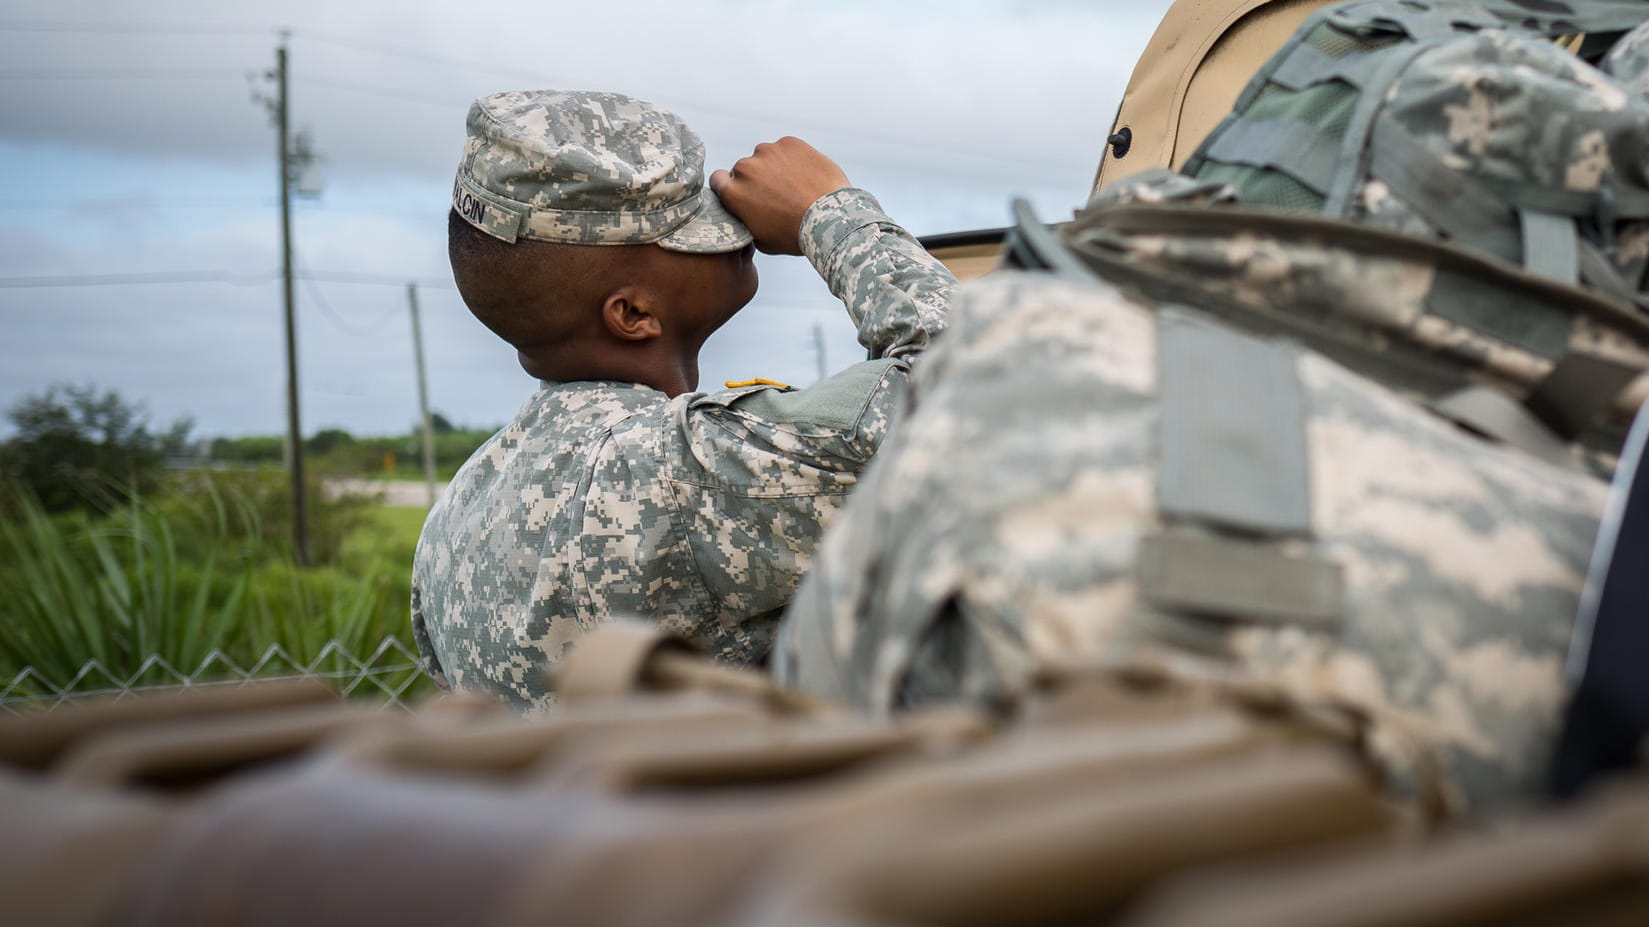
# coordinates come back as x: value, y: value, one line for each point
x: 944, y: 110
x: 979, y: 83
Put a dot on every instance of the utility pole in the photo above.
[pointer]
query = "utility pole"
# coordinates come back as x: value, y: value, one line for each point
x: 819, y: 349
x: 294, y: 432
x: 423, y: 396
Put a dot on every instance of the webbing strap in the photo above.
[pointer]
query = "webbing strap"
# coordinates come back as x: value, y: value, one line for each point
x: 1233, y: 481
x: 1294, y: 148
x: 1601, y: 274
x: 1384, y: 72
x: 1212, y: 575
x: 1232, y: 430
x: 1307, y: 66
x: 1473, y: 215
x: 1577, y: 389
x: 1551, y: 246
x: 1533, y: 322
x: 1030, y: 245
x: 1427, y: 22
x: 1495, y: 415
x: 1446, y: 198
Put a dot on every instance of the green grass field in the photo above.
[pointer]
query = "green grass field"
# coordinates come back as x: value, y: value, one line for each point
x: 203, y: 565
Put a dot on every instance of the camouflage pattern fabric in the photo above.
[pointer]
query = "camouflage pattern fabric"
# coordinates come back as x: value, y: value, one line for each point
x: 1628, y: 63
x: 1530, y: 121
x: 988, y: 539
x: 589, y: 168
x: 1456, y: 120
x: 1522, y: 113
x: 1183, y: 241
x: 606, y: 499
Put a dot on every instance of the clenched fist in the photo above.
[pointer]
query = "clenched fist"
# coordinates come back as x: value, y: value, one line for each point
x: 772, y: 189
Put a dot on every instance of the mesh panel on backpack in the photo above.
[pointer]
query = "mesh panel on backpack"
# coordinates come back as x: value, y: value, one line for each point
x: 1329, y: 106
x: 1337, y: 44
x: 1265, y: 187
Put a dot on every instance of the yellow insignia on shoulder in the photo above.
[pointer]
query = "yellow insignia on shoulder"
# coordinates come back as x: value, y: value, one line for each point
x: 758, y: 381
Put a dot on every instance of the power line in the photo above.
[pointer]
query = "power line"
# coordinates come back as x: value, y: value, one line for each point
x: 383, y: 91
x: 145, y: 203
x: 132, y: 202
x: 422, y: 56
x: 117, y: 73
x: 182, y: 276
x: 131, y: 28
x: 332, y: 315
x: 217, y: 276
x: 924, y: 145
x: 373, y: 279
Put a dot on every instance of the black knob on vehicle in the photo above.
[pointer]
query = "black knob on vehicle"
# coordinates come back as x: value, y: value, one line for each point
x: 1121, y: 142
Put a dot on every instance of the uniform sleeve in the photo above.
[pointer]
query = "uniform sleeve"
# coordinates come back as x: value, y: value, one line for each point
x: 798, y: 441
x: 757, y: 474
x: 896, y: 293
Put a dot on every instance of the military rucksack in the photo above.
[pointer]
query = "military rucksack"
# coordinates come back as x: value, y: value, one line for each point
x: 1433, y: 193
x: 1086, y: 477
x: 1451, y: 118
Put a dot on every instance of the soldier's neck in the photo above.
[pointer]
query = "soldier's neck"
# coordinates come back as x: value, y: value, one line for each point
x: 672, y: 371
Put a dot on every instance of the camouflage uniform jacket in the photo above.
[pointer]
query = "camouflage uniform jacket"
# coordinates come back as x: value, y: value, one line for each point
x: 702, y: 511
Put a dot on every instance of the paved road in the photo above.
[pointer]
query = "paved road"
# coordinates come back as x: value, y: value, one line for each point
x: 400, y: 493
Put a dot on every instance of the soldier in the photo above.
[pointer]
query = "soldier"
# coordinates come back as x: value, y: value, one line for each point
x: 583, y: 234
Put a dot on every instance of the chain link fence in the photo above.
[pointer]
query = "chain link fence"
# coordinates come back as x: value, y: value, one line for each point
x: 389, y: 674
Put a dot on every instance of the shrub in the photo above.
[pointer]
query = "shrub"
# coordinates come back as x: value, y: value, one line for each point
x: 264, y: 495
x: 114, y: 590
x: 193, y: 571
x: 78, y: 448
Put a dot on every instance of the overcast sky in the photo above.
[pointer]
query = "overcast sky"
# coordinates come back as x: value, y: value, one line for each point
x: 131, y: 145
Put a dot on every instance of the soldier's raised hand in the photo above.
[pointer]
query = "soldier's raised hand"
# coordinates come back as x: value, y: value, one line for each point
x: 772, y: 189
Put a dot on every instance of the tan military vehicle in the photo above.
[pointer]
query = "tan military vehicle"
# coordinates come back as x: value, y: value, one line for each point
x: 1198, y: 60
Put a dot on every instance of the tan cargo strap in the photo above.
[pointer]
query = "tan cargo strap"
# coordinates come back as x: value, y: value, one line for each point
x: 624, y: 658
x: 36, y: 741
x: 611, y: 660
x: 1333, y: 715
x: 198, y: 751
x: 1234, y: 464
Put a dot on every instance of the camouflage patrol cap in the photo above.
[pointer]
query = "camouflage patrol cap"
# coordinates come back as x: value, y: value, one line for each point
x: 588, y: 168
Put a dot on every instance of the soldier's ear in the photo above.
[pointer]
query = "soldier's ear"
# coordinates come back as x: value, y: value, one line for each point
x: 628, y: 314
